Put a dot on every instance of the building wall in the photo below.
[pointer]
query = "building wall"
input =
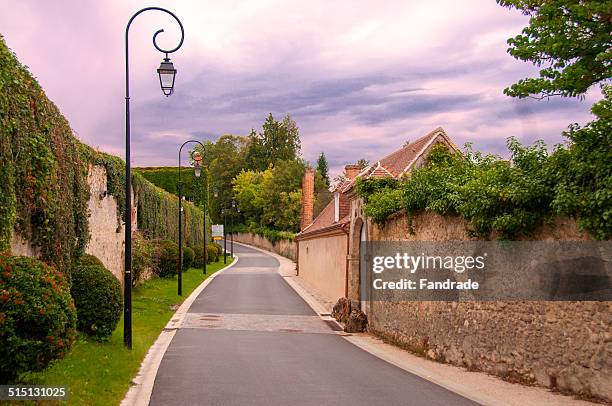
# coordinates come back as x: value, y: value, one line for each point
x: 322, y: 263
x: 561, y: 345
x: 285, y: 248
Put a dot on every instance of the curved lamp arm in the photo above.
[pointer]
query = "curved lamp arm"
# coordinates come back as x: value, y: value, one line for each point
x: 160, y: 49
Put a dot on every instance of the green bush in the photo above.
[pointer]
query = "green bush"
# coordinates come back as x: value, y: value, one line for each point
x: 89, y: 260
x: 98, y: 300
x: 37, y: 316
x: 212, y: 253
x: 143, y: 257
x: 198, y: 252
x: 168, y: 258
x: 188, y: 256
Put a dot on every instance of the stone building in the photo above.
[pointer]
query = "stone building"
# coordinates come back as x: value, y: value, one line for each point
x: 328, y: 246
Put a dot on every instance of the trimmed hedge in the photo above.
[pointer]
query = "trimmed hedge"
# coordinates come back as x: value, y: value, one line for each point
x: 89, y: 260
x: 37, y: 316
x: 198, y: 252
x: 168, y: 258
x: 98, y: 299
x: 188, y: 256
x: 212, y: 253
x: 144, y: 257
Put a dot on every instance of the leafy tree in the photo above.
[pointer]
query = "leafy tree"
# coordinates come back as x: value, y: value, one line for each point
x: 583, y: 177
x: 271, y: 198
x: 323, y: 168
x: 223, y: 160
x: 569, y: 39
x: 278, y: 141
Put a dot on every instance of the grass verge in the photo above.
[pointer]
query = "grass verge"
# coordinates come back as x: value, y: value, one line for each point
x: 100, y: 373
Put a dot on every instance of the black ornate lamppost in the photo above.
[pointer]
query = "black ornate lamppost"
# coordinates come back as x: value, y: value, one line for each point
x: 197, y: 160
x: 166, y: 73
x: 232, y: 229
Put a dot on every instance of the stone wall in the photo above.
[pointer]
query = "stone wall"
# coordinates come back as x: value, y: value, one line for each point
x: 107, y: 240
x: 285, y: 248
x: 107, y: 233
x: 562, y: 345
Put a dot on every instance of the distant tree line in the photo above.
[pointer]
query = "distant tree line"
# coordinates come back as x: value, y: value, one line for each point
x: 262, y: 172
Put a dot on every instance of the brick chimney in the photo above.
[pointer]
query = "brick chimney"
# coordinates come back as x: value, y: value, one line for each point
x: 307, y: 198
x: 351, y: 171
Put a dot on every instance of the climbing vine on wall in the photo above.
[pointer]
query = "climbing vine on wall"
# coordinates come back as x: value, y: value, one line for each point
x: 43, y: 184
x: 43, y: 177
x: 158, y: 213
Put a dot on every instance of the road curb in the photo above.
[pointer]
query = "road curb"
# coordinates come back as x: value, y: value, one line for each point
x: 140, y: 392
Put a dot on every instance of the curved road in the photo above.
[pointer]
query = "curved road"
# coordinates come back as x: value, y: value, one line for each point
x: 249, y: 339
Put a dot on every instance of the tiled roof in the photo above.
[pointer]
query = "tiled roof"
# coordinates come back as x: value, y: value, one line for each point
x: 325, y: 220
x: 393, y: 165
x: 398, y: 162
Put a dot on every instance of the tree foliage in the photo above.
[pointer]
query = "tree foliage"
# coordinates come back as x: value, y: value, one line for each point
x: 323, y: 168
x: 271, y: 198
x: 278, y: 141
x: 569, y: 39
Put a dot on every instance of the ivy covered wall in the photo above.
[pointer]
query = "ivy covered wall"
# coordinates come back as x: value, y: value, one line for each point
x: 43, y: 176
x: 43, y: 189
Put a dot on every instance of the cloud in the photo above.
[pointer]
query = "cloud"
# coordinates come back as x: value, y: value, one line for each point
x: 360, y: 78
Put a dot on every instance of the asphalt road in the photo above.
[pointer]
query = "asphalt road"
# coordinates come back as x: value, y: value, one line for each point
x: 249, y: 339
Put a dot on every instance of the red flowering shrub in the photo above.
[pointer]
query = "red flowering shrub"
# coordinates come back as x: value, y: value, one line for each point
x: 37, y: 316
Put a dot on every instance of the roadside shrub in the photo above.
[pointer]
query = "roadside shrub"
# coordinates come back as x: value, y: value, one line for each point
x: 37, y: 316
x: 98, y: 300
x: 188, y: 256
x: 198, y: 252
x: 212, y: 254
x: 143, y: 257
x: 87, y: 260
x: 168, y: 258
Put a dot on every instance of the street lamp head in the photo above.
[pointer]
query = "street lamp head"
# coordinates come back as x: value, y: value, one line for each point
x: 197, y: 163
x: 216, y: 192
x: 167, y: 73
x: 233, y: 203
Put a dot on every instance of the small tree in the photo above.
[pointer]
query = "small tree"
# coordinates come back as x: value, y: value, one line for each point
x: 323, y: 168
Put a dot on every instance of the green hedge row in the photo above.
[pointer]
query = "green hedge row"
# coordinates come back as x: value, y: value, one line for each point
x: 271, y: 235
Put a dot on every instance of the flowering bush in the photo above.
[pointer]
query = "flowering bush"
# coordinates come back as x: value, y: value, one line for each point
x: 37, y: 316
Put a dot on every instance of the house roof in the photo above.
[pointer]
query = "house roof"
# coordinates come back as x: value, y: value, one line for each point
x: 325, y: 221
x: 393, y: 165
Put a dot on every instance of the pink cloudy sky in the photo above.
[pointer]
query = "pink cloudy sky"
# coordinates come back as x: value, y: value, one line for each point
x: 359, y: 77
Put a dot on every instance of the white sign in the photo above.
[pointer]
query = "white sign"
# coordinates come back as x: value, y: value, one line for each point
x: 217, y: 231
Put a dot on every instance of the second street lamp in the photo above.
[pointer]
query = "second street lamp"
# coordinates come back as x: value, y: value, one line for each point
x: 197, y: 169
